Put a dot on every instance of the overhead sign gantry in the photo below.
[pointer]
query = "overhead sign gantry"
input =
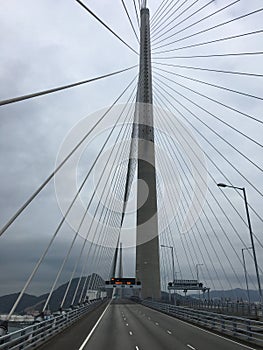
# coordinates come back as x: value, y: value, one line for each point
x: 186, y: 285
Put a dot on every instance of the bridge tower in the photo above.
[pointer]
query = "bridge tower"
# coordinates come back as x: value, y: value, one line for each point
x: 147, y: 240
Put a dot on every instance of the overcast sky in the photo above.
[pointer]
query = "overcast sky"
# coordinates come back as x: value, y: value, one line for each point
x: 47, y: 43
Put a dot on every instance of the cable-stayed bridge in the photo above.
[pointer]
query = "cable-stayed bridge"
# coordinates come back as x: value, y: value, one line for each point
x: 153, y: 198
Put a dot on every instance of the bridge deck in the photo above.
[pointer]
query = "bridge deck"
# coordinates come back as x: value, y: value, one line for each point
x: 126, y: 325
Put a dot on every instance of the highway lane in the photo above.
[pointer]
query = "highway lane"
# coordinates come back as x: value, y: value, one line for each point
x: 72, y: 338
x: 133, y: 326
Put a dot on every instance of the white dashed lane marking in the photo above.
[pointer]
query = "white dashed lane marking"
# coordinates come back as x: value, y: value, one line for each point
x: 191, y: 347
x: 130, y: 332
x: 169, y: 332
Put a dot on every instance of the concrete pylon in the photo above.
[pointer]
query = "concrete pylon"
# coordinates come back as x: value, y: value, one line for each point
x: 147, y: 240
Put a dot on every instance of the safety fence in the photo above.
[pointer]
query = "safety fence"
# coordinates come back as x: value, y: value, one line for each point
x: 33, y: 336
x: 238, y: 308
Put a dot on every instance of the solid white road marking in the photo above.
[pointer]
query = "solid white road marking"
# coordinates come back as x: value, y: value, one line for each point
x: 169, y: 332
x: 130, y: 332
x: 93, y: 329
x: 191, y: 347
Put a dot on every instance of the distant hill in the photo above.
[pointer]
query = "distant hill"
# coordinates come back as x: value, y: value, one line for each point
x: 32, y: 302
x: 165, y: 296
x: 36, y: 303
x: 232, y: 294
x: 7, y: 301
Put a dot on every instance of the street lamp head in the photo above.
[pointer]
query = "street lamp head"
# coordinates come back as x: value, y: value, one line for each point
x: 247, y: 248
x: 221, y: 185
x: 166, y: 246
x: 230, y: 186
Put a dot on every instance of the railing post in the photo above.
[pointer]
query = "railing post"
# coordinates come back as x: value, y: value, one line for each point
x: 213, y: 322
x: 223, y: 322
x: 23, y: 332
x: 249, y: 332
x: 234, y: 327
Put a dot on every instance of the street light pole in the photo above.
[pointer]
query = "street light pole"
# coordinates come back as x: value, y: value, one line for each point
x: 197, y: 275
x: 250, y: 233
x: 245, y: 271
x: 252, y: 245
x: 172, y: 252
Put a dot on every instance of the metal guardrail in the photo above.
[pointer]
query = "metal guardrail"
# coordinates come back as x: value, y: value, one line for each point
x: 225, y: 307
x: 33, y: 336
x: 242, y: 328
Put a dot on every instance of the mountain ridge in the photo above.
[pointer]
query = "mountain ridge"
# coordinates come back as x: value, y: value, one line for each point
x: 31, y: 302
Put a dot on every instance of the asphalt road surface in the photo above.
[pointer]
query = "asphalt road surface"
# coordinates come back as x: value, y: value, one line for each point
x: 124, y: 325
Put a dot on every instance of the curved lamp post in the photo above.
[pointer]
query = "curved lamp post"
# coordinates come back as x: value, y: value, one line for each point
x: 197, y: 275
x: 172, y: 252
x: 245, y: 271
x: 250, y: 232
